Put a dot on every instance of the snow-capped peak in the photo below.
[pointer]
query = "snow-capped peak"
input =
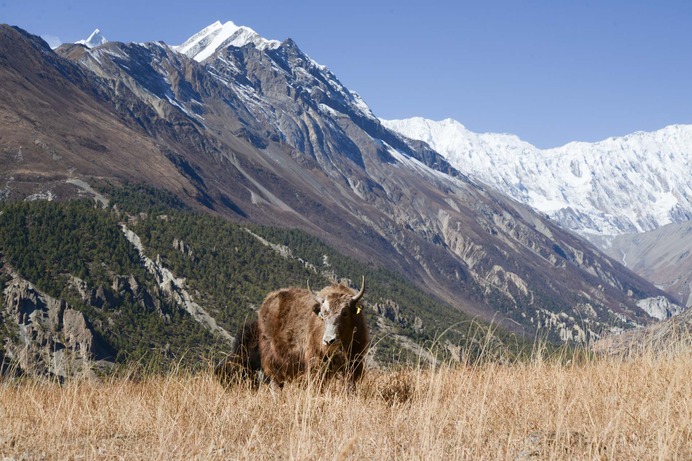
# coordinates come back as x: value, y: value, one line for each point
x: 95, y: 39
x: 217, y: 35
x: 633, y: 183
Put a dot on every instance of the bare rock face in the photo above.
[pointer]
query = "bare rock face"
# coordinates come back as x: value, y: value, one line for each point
x: 659, y: 307
x: 77, y: 334
x: 389, y: 310
x: 52, y: 338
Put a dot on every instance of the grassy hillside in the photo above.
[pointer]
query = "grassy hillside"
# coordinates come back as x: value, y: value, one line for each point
x: 601, y: 409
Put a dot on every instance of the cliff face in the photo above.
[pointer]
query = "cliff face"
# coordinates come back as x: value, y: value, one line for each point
x: 50, y: 337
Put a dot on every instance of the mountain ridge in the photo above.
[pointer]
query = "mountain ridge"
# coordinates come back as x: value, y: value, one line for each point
x: 587, y: 187
x: 617, y: 193
x: 661, y: 256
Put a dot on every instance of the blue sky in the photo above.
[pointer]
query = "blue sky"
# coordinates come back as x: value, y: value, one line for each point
x: 550, y: 72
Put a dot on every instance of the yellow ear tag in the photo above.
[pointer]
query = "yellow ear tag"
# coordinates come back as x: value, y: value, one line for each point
x: 358, y: 309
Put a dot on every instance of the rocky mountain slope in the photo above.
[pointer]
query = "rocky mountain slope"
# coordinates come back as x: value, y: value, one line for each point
x: 256, y: 131
x: 618, y: 193
x: 661, y: 256
x: 51, y: 338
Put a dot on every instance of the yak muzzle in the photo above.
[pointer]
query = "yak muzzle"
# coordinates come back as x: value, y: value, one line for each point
x: 330, y: 335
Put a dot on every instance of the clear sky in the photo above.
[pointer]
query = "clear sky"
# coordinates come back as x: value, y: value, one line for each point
x: 549, y: 71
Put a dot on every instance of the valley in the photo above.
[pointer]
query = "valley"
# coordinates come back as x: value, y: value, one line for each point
x: 187, y: 145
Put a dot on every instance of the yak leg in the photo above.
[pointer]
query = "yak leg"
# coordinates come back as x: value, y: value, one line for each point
x: 354, y: 372
x: 275, y: 387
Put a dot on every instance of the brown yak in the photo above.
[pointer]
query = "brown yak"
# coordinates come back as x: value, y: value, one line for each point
x: 244, y: 362
x: 302, y: 332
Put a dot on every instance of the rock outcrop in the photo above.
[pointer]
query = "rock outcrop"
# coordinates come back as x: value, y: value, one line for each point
x: 174, y: 288
x: 51, y: 337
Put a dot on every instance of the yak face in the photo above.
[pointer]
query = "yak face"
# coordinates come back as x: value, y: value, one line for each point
x: 337, y: 313
x: 337, y: 308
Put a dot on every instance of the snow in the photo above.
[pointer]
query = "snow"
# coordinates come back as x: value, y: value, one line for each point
x: 216, y: 36
x: 205, y: 43
x: 415, y: 164
x: 620, y: 185
x: 334, y: 113
x: 361, y: 105
x: 201, y: 36
x: 95, y: 39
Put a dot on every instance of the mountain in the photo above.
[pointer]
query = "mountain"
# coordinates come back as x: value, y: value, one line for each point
x: 667, y: 338
x: 661, y: 256
x: 255, y: 131
x: 205, y: 43
x: 626, y: 195
x: 631, y: 184
x: 95, y: 39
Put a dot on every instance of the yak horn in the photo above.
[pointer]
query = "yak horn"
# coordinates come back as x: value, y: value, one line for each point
x: 314, y: 294
x: 357, y: 297
x: 310, y: 289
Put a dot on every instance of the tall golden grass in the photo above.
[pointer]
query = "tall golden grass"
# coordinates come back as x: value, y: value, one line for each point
x: 597, y: 408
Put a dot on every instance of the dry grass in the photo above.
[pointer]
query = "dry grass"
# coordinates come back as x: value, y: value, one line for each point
x: 601, y: 409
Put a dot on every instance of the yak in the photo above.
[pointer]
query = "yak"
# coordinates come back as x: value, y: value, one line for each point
x: 315, y: 334
x: 243, y: 363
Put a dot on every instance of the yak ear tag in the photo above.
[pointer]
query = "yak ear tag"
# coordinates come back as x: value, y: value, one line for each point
x: 358, y: 309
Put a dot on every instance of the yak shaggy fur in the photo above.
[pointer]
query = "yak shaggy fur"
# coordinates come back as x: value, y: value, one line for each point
x: 301, y: 332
